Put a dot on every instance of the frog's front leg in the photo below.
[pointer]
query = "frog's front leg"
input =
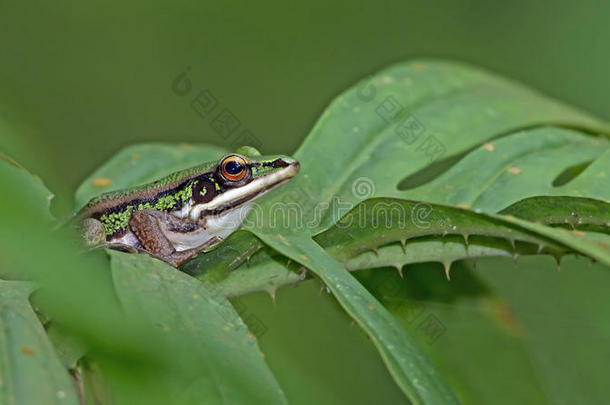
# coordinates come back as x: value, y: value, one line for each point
x: 159, y: 233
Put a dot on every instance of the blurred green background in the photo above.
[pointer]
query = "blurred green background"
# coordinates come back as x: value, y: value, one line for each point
x: 79, y: 80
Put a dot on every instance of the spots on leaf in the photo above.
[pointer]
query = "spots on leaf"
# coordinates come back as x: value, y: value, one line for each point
x: 506, y: 318
x: 283, y: 240
x: 186, y: 146
x: 102, y: 182
x: 514, y: 170
x: 27, y: 351
x: 418, y: 67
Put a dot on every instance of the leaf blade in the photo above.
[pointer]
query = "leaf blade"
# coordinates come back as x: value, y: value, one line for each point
x: 225, y: 363
x: 27, y: 355
x: 410, y: 369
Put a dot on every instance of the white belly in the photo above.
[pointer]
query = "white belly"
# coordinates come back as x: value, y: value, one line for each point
x: 220, y: 226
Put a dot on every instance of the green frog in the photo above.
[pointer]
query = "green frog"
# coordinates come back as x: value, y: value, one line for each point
x: 187, y: 212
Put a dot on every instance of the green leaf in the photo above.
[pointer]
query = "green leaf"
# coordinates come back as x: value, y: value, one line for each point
x: 592, y: 244
x: 31, y: 187
x: 355, y: 176
x: 350, y: 126
x: 519, y: 166
x: 443, y: 100
x: 30, y: 371
x: 382, y: 221
x: 393, y: 232
x: 578, y: 213
x: 410, y: 369
x: 379, y: 221
x: 220, y: 263
x: 69, y: 348
x: 225, y: 362
x: 405, y: 118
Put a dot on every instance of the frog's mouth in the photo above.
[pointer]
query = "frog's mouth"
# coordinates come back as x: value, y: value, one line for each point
x: 240, y: 196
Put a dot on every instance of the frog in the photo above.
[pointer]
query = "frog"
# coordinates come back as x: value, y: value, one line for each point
x: 185, y: 213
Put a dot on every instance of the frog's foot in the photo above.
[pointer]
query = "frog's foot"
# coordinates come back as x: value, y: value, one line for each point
x: 149, y: 227
x: 93, y: 233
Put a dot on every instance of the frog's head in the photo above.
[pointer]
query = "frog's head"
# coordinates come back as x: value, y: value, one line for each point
x: 243, y: 176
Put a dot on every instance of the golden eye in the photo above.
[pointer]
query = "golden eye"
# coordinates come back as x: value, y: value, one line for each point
x: 233, y: 167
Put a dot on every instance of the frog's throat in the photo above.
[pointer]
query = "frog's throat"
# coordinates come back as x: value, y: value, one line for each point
x: 235, y: 197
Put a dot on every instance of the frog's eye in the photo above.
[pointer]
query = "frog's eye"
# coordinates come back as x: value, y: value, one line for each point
x: 233, y: 168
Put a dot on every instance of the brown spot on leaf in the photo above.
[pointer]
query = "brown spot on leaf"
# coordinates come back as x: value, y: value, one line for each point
x: 580, y: 234
x: 603, y: 245
x: 489, y: 147
x: 283, y: 240
x: 418, y: 67
x: 305, y: 258
x: 186, y: 146
x: 27, y: 351
x: 514, y: 170
x: 505, y: 317
x: 102, y: 182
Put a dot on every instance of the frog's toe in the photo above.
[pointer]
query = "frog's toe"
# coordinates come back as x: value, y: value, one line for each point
x: 93, y: 232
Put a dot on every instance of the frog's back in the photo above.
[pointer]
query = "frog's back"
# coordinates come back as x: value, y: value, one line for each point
x: 167, y: 185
